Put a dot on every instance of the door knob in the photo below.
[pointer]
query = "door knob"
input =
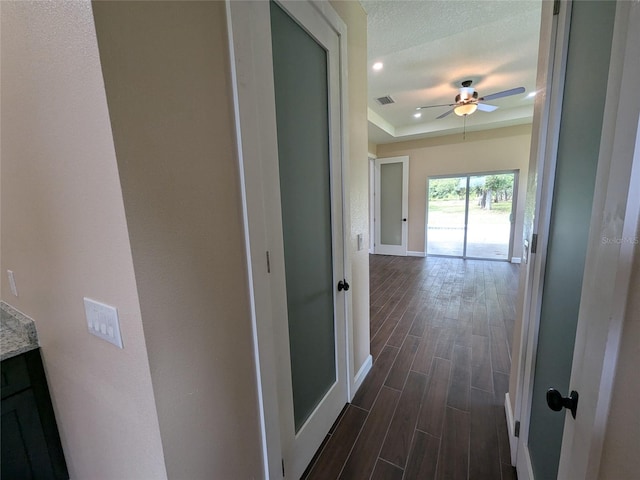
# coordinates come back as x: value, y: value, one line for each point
x: 343, y: 285
x: 557, y: 402
x: 404, y: 219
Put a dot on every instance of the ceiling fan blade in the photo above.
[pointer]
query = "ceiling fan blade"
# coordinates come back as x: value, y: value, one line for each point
x: 486, y: 108
x: 448, y: 112
x: 431, y: 106
x: 506, y: 93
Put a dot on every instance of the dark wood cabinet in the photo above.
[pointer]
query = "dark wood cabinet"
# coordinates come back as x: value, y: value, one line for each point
x: 30, y: 445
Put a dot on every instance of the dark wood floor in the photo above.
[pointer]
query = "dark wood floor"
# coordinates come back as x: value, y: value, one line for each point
x: 432, y: 406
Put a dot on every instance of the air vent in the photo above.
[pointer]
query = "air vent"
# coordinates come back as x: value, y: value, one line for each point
x: 385, y: 100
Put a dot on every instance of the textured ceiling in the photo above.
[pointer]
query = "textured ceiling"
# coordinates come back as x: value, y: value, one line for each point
x: 429, y: 47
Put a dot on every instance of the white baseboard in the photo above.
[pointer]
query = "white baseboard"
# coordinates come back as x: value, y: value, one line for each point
x: 361, y: 375
x: 519, y: 458
x: 516, y: 260
x: 415, y: 254
x: 511, y: 428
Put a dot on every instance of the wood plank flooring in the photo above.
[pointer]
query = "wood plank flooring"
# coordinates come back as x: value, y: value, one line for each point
x: 432, y: 406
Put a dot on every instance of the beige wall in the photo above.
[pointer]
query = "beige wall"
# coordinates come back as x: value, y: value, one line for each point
x: 620, y: 451
x: 156, y: 233
x: 485, y: 151
x: 64, y: 235
x: 167, y: 77
x: 373, y: 148
x: 355, y: 18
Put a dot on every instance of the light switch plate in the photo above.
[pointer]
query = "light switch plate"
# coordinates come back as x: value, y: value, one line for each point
x: 102, y: 321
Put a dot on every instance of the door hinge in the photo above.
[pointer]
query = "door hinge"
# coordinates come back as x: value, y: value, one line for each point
x: 516, y: 429
x: 556, y: 7
x: 283, y: 468
x: 534, y: 243
x: 268, y: 263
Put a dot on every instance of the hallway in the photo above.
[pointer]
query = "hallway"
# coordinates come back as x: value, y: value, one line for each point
x: 432, y: 406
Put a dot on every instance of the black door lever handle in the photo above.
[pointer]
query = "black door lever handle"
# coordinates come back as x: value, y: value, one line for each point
x: 343, y: 285
x: 557, y: 402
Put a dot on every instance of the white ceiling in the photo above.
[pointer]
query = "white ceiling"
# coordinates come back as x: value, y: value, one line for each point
x: 429, y: 47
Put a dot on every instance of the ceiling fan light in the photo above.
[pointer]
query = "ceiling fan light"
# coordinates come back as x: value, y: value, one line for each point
x: 465, y: 109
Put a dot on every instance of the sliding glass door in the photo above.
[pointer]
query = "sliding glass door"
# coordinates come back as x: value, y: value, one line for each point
x: 446, y: 207
x: 471, y: 216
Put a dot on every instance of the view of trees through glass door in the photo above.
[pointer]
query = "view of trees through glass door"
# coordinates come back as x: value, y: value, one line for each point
x: 471, y: 216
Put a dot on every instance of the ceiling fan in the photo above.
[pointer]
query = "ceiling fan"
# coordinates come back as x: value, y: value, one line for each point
x: 467, y: 101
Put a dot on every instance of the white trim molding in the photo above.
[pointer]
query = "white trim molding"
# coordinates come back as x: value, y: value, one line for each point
x: 415, y: 254
x: 516, y: 260
x: 254, y: 111
x: 511, y: 428
x: 360, y: 376
x: 524, y: 466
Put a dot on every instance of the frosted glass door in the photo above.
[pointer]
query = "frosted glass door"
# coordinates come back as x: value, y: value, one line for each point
x: 301, y: 88
x: 577, y: 163
x: 391, y: 204
x: 392, y: 185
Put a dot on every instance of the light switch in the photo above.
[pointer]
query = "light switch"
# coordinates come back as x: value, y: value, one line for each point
x: 102, y: 321
x: 360, y: 241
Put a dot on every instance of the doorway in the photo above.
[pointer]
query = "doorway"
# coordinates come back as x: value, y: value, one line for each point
x: 292, y: 167
x: 471, y: 215
x: 391, y: 205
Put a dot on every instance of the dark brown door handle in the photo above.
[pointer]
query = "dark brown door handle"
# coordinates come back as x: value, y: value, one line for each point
x: 557, y: 402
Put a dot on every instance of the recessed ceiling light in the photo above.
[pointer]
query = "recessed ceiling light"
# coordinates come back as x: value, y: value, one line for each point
x: 531, y: 94
x: 417, y: 115
x: 377, y: 66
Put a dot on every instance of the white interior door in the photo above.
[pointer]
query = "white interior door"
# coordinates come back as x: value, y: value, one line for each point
x: 391, y: 205
x: 583, y: 305
x: 288, y: 76
x: 612, y: 242
x: 566, y: 252
x: 548, y: 109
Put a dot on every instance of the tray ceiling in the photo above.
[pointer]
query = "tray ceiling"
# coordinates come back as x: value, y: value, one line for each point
x: 429, y: 47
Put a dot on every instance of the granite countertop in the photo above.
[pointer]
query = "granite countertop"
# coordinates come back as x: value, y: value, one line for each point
x: 17, y: 332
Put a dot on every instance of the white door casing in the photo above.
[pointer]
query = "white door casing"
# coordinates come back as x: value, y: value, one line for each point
x: 400, y: 218
x: 612, y: 241
x: 614, y: 222
x: 254, y: 103
x: 548, y: 108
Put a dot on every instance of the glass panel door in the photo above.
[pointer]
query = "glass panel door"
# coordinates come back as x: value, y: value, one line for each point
x: 471, y: 216
x: 391, y: 203
x: 300, y: 76
x: 490, y: 216
x: 446, y: 216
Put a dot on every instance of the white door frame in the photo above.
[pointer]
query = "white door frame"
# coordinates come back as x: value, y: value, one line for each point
x: 372, y: 202
x: 554, y: 40
x: 607, y: 268
x: 400, y: 250
x: 249, y: 33
x: 612, y: 241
